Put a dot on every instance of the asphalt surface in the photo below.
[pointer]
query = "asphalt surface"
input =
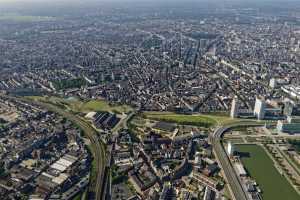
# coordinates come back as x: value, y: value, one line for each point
x: 232, y: 178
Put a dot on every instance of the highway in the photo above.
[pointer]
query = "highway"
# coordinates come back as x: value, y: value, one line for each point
x: 233, y: 180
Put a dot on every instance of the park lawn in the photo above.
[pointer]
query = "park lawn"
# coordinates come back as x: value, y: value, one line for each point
x: 261, y: 167
x: 35, y: 98
x: 78, y: 105
x: 95, y: 106
x: 207, y: 120
x: 194, y: 120
x: 69, y: 83
x: 101, y: 105
x: 222, y: 120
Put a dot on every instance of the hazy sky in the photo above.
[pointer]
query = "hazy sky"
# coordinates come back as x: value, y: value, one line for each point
x: 49, y: 1
x: 20, y: 3
x: 13, y: 1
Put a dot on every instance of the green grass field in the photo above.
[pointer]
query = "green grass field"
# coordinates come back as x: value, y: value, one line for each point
x: 185, y: 119
x: 195, y: 120
x: 261, y: 167
x: 98, y: 105
x: 77, y: 105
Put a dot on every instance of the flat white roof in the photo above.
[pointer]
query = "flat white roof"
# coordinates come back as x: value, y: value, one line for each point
x: 60, y: 179
x: 90, y: 115
x: 48, y: 175
x: 64, y: 162
x: 59, y: 167
x: 70, y: 158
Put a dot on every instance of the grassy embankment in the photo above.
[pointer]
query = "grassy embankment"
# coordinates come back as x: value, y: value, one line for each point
x: 202, y: 120
x: 84, y: 106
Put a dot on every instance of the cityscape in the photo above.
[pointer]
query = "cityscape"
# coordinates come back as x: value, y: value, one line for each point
x: 149, y: 100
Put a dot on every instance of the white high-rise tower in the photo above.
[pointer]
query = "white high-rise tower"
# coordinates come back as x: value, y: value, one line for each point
x: 230, y: 149
x: 260, y: 108
x: 234, y: 108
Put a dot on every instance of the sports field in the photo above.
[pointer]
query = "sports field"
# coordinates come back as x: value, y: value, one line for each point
x: 261, y: 167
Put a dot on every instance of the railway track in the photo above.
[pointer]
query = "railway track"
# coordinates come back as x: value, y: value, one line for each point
x: 95, y: 189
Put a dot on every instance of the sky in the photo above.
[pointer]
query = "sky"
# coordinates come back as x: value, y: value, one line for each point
x: 51, y: 1
x: 59, y: 3
x: 124, y: 0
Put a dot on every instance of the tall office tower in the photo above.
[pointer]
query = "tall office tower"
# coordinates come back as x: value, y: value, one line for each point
x: 260, y: 108
x: 235, y: 108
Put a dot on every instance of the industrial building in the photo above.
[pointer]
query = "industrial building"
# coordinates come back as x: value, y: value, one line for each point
x: 103, y: 120
x: 209, y: 194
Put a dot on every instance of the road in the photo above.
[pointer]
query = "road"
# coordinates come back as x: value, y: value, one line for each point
x: 95, y: 190
x: 123, y: 122
x: 107, y: 187
x: 229, y: 172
